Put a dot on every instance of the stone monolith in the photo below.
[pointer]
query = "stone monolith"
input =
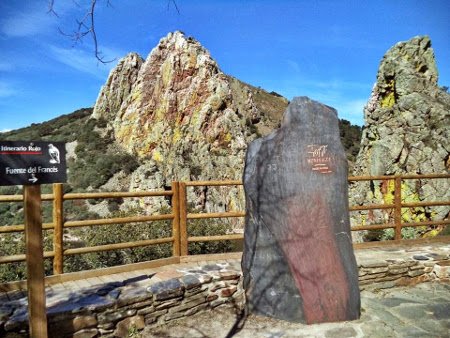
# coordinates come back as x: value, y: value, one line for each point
x: 298, y: 260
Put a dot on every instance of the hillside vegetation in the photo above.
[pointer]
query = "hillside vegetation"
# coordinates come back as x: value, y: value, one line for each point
x: 93, y: 159
x: 97, y: 158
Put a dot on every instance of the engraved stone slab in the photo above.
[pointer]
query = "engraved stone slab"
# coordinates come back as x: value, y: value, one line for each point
x: 298, y: 260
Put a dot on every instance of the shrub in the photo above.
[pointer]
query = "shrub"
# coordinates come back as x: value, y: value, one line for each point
x: 208, y: 227
x: 119, y: 233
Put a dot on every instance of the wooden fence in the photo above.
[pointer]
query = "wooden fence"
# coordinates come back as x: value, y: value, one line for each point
x: 180, y: 217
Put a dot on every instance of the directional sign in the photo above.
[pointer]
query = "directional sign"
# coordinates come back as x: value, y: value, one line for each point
x: 32, y: 163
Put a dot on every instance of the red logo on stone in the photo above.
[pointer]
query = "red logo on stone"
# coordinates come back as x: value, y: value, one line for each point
x: 318, y: 158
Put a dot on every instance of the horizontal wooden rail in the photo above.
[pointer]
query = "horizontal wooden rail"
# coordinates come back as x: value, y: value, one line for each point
x: 19, y: 198
x: 21, y: 228
x: 91, y: 195
x: 229, y: 237
x: 425, y: 223
x: 392, y: 177
x: 425, y: 204
x: 370, y: 178
x: 118, y: 246
x: 96, y: 195
x: 11, y: 198
x: 425, y: 176
x: 118, y: 220
x: 373, y: 227
x: 22, y: 257
x: 211, y: 183
x: 217, y: 215
x: 371, y: 207
x: 80, y: 275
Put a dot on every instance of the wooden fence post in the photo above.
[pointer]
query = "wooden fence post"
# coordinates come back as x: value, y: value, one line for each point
x: 183, y: 220
x: 176, y: 219
x: 398, y: 207
x: 37, y: 314
x: 58, y: 228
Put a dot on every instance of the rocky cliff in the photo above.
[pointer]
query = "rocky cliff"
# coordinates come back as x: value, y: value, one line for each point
x: 406, y: 131
x: 117, y: 87
x: 183, y: 117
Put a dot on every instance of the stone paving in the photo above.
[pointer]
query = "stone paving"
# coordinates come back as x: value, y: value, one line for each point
x: 387, y: 311
x: 419, y: 311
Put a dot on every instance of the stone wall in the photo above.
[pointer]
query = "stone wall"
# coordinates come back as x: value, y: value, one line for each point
x: 117, y: 309
x: 392, y: 273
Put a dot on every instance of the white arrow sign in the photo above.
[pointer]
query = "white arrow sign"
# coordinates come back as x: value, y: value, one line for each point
x: 33, y: 179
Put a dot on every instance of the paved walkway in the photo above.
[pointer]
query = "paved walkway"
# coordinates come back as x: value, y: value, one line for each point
x: 367, y: 256
x: 145, y: 277
x: 419, y: 311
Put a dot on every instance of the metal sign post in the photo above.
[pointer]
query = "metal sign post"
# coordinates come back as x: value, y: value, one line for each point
x: 31, y: 164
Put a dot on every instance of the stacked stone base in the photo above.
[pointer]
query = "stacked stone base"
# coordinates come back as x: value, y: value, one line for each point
x: 118, y: 309
x: 388, y: 274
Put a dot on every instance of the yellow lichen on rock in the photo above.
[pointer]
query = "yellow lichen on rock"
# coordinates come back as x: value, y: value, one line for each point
x: 388, y: 99
x: 157, y: 156
x: 160, y: 111
x: 135, y: 95
x: 176, y: 135
x: 388, y: 196
x: 228, y: 137
x: 414, y: 214
x: 166, y: 72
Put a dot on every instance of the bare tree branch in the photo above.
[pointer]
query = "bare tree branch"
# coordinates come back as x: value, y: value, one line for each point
x: 51, y: 10
x: 86, y: 25
x: 174, y: 4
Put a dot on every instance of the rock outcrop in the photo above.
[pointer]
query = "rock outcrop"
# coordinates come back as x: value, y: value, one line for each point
x: 183, y: 117
x: 117, y: 87
x: 406, y: 131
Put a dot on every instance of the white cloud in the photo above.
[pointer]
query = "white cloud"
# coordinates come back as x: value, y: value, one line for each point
x: 5, y: 131
x: 81, y: 60
x: 28, y: 22
x: 337, y: 84
x: 352, y: 110
x: 31, y: 18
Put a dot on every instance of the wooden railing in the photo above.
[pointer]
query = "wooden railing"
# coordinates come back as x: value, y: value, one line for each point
x: 185, y: 216
x: 58, y: 224
x: 398, y: 204
x: 180, y: 217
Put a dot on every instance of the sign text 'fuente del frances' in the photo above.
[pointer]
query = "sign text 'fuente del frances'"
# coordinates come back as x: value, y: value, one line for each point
x: 30, y: 163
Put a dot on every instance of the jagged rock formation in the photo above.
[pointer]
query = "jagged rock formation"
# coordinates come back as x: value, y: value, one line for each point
x: 117, y: 87
x: 182, y: 117
x: 406, y: 130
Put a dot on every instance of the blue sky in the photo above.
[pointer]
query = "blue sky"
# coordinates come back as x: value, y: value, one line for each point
x: 328, y: 50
